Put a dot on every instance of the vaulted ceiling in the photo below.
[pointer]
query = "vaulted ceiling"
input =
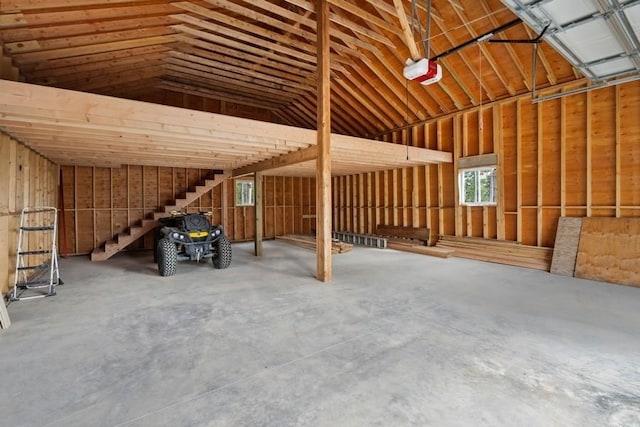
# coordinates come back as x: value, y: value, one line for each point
x: 262, y: 53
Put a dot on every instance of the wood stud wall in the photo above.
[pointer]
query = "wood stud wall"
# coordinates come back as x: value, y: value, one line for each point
x: 26, y: 179
x: 575, y: 156
x: 102, y: 202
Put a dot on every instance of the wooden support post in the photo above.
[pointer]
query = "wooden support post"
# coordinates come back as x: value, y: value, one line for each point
x: 323, y: 163
x: 519, y: 170
x: 589, y: 155
x: 618, y: 153
x: 460, y: 136
x: 498, y: 148
x: 441, y: 207
x: 563, y: 156
x: 540, y: 176
x: 257, y: 185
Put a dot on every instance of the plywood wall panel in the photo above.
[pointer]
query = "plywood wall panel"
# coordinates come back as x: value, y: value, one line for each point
x: 103, y: 226
x: 120, y: 187
x: 135, y: 187
x: 550, y: 156
x: 609, y: 250
x: 529, y: 156
x: 509, y: 167
x: 471, y: 146
x: 629, y: 144
x: 576, y: 150
x: 549, y: 226
x: 485, y: 127
x: 84, y: 187
x: 150, y: 188
x: 85, y: 230
x: 603, y: 152
x: 68, y: 184
x: 102, y: 188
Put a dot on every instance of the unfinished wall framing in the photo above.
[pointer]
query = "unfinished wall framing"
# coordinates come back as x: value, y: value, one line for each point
x: 99, y: 203
x: 26, y: 179
x: 575, y: 156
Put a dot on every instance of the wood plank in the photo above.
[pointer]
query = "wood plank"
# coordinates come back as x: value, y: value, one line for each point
x: 422, y: 250
x: 478, y: 161
x: 409, y: 41
x: 609, y: 250
x: 565, y: 250
x: 310, y: 242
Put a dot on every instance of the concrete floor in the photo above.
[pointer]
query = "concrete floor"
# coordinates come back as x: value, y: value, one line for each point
x: 396, y: 340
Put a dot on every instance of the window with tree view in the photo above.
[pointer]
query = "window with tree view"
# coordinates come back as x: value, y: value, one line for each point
x: 478, y: 186
x: 244, y: 193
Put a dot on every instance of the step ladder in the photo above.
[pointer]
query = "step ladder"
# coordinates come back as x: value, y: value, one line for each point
x: 37, y: 272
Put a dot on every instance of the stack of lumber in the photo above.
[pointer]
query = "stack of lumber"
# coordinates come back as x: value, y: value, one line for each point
x: 309, y: 242
x: 411, y: 239
x: 498, y: 251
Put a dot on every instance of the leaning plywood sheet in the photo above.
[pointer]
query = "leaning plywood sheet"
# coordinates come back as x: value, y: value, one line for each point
x: 609, y: 250
x: 565, y: 249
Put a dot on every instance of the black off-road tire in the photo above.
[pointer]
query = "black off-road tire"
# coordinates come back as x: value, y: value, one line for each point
x: 223, y: 255
x: 156, y: 238
x: 167, y: 257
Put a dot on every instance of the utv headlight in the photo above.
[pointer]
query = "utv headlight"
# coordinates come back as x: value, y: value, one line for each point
x: 176, y: 235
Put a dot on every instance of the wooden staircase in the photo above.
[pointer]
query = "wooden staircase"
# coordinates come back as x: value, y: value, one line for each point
x: 124, y: 239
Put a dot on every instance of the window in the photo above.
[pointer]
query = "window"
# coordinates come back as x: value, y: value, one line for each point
x: 244, y: 193
x: 478, y: 186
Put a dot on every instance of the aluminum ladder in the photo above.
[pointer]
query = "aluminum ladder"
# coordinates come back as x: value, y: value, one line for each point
x: 37, y: 273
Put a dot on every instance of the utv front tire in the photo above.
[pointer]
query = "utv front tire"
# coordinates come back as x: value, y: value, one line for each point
x: 167, y: 257
x: 223, y: 253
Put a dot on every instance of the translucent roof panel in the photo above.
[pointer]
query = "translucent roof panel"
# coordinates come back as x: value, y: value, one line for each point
x: 599, y: 37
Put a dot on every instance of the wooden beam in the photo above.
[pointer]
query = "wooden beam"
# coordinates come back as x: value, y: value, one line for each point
x: 306, y: 154
x: 406, y: 31
x: 258, y: 214
x: 323, y: 162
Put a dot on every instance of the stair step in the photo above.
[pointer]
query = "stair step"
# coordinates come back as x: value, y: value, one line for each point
x: 98, y: 254
x: 158, y: 215
x: 124, y: 237
x: 110, y: 245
